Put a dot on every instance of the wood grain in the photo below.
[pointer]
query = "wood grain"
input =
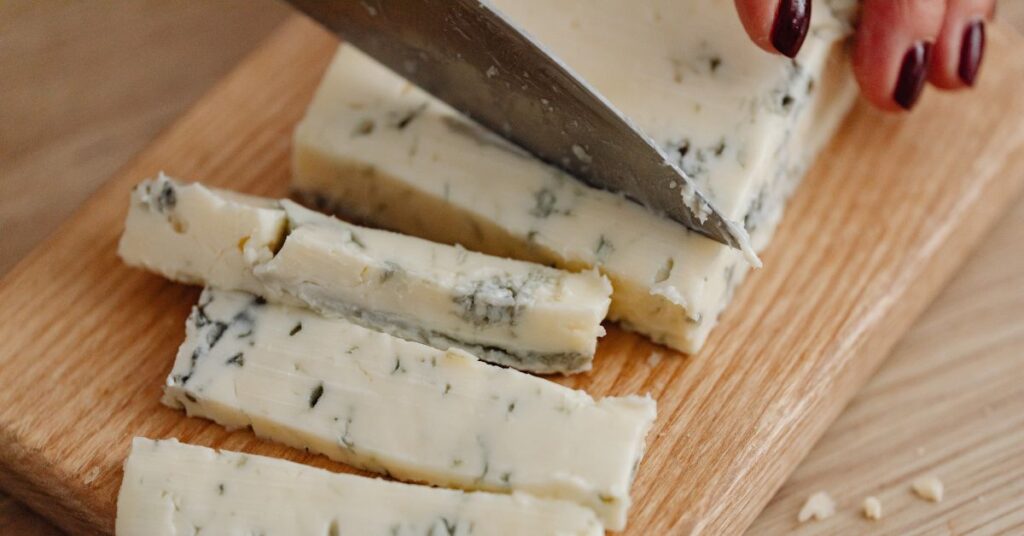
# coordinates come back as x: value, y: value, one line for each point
x: 733, y: 422
x: 87, y: 85
x: 16, y: 519
x: 949, y: 402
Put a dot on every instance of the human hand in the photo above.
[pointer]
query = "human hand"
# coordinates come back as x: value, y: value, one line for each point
x: 899, y: 44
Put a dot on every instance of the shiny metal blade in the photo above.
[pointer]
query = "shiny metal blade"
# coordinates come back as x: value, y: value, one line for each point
x: 467, y: 54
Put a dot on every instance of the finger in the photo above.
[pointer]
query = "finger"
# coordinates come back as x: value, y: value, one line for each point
x: 956, y: 58
x: 892, y: 49
x: 778, y: 26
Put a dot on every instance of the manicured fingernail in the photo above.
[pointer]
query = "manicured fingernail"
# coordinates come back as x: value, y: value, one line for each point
x: 790, y: 28
x: 972, y: 49
x: 913, y: 74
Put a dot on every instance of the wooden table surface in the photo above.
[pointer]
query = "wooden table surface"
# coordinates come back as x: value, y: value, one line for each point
x: 86, y: 85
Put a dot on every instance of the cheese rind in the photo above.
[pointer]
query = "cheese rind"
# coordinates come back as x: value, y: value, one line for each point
x: 513, y: 313
x: 170, y: 488
x: 744, y: 124
x: 402, y: 408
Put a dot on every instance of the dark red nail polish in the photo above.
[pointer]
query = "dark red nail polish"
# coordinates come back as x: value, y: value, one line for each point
x: 913, y: 73
x: 972, y: 49
x: 792, y: 20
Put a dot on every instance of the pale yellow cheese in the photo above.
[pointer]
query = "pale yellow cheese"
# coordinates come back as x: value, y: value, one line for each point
x: 743, y: 123
x: 405, y: 409
x: 510, y: 312
x: 173, y: 489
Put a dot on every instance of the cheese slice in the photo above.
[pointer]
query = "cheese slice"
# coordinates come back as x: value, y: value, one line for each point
x: 405, y: 409
x: 509, y: 312
x: 194, y: 235
x: 744, y: 124
x: 170, y: 488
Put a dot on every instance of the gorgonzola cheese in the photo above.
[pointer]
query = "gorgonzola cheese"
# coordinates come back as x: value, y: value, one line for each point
x: 405, y: 409
x: 509, y: 312
x: 195, y: 235
x: 170, y: 488
x: 744, y: 124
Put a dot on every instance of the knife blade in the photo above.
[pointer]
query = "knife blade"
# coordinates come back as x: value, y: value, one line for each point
x: 469, y: 55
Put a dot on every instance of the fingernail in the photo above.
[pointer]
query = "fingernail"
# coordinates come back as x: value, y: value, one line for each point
x: 790, y: 28
x: 913, y: 73
x: 972, y: 49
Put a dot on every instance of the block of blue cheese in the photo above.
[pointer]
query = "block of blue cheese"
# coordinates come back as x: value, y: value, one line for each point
x: 514, y: 313
x: 170, y: 488
x: 405, y: 409
x: 743, y: 123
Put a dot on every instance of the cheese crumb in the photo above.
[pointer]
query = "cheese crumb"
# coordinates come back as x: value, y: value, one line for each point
x: 582, y: 154
x: 818, y: 506
x: 872, y: 508
x: 654, y: 359
x: 928, y: 488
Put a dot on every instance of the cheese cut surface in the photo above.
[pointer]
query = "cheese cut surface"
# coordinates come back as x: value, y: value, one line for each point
x: 170, y: 489
x: 440, y: 295
x: 193, y: 235
x: 513, y: 313
x: 743, y: 123
x: 402, y: 408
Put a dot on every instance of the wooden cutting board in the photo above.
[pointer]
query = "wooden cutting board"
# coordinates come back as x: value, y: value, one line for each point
x: 86, y: 342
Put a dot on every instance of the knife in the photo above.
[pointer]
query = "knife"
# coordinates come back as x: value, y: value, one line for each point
x: 470, y: 56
